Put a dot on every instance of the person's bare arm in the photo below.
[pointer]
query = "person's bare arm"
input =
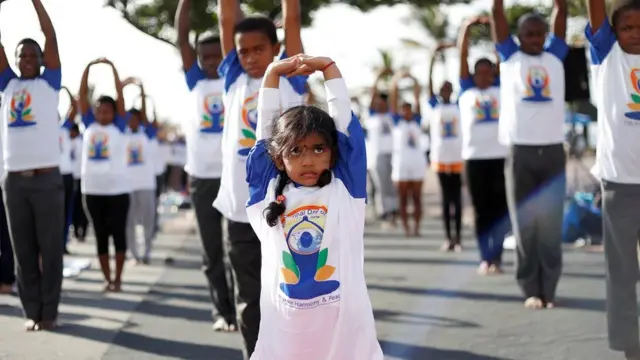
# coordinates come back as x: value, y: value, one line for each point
x: 4, y: 62
x: 597, y: 14
x: 143, y: 104
x: 51, y: 57
x: 559, y: 19
x: 292, y: 21
x: 229, y: 13
x: 83, y: 94
x: 375, y: 91
x: 187, y: 52
x: 463, y: 48
x: 393, y: 93
x: 417, y: 89
x: 120, y: 108
x: 73, y: 105
x: 499, y: 24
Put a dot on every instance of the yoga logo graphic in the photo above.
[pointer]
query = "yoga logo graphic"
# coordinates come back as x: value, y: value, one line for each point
x: 134, y: 151
x: 21, y: 111
x: 411, y: 141
x: 486, y: 109
x: 386, y: 128
x: 537, y: 85
x: 248, y: 125
x: 634, y: 106
x: 306, y: 275
x: 449, y: 127
x: 99, y: 147
x: 213, y: 114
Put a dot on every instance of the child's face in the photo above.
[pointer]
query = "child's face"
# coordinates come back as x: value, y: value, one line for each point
x: 628, y: 31
x: 445, y: 91
x: 532, y: 35
x: 380, y: 105
x: 483, y: 76
x: 407, y: 112
x: 255, y: 52
x: 307, y: 160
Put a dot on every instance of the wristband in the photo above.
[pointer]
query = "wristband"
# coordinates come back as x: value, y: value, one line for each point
x: 328, y: 66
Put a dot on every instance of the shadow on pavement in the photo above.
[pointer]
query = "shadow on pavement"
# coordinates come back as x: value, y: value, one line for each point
x: 421, y: 319
x: 413, y: 352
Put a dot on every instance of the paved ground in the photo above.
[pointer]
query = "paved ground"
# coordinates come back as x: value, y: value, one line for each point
x: 428, y: 305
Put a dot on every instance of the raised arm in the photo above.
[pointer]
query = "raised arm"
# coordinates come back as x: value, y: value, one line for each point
x: 597, y: 14
x: 6, y: 74
x: 430, y: 92
x: 499, y: 25
x: 229, y: 13
x: 83, y: 94
x: 51, y: 57
x: 375, y: 91
x: 559, y: 19
x: 463, y: 46
x: 417, y: 89
x: 292, y: 24
x: 120, y: 108
x: 394, y: 93
x: 73, y: 106
x: 187, y: 52
x: 143, y: 104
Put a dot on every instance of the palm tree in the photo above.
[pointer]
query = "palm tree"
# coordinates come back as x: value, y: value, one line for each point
x: 434, y: 21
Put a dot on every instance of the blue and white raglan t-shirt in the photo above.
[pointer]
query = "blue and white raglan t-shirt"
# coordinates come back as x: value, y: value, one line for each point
x: 141, y: 159
x: 479, y: 119
x: 239, y: 136
x: 104, y: 157
x: 313, y: 284
x: 616, y: 76
x: 379, y: 136
x: 444, y: 126
x: 205, y: 125
x: 532, y: 89
x: 408, y: 161
x: 29, y: 114
x: 66, y: 164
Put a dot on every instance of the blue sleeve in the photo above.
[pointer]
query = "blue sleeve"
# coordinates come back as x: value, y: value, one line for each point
x: 351, y: 165
x: 396, y: 118
x: 88, y: 118
x: 433, y: 101
x: 601, y: 42
x: 230, y: 69
x: 121, y: 123
x: 67, y: 124
x: 194, y: 74
x: 496, y: 81
x: 260, y: 171
x: 5, y: 76
x: 418, y: 118
x: 297, y: 82
x: 557, y: 47
x: 371, y: 112
x: 507, y: 48
x: 466, y: 84
x: 53, y: 77
x: 151, y: 132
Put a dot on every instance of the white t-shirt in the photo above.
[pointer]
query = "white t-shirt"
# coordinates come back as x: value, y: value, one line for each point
x: 66, y: 166
x: 204, y: 130
x: 616, y: 76
x: 312, y: 278
x: 165, y: 153
x: 532, y: 106
x: 76, y: 156
x: 239, y: 136
x: 408, y: 161
x: 444, y: 124
x: 159, y: 160
x: 104, y: 157
x: 141, y: 165
x: 30, y: 117
x: 177, y: 154
x: 479, y: 117
x: 379, y: 135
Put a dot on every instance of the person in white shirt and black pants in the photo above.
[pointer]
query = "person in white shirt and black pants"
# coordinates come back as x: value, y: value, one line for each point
x: 7, y: 263
x: 532, y: 111
x: 33, y: 190
x: 66, y: 164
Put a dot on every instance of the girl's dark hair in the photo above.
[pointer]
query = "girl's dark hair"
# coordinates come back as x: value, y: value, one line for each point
x: 620, y: 6
x: 482, y: 61
x: 104, y: 99
x: 290, y: 128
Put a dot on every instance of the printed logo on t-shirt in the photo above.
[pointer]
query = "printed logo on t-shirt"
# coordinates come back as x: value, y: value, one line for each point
x: 72, y: 154
x: 634, y: 106
x: 537, y: 85
x: 411, y: 141
x: 134, y: 153
x: 486, y: 109
x: 21, y: 112
x: 248, y: 125
x: 213, y: 114
x: 99, y: 147
x: 386, y: 129
x: 306, y: 275
x: 449, y: 128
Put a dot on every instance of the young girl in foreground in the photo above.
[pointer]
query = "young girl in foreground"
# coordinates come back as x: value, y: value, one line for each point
x: 307, y: 185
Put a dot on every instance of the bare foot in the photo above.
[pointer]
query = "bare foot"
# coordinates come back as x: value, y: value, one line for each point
x: 533, y: 303
x: 6, y: 289
x: 483, y: 269
x: 495, y: 269
x: 457, y: 248
x: 108, y: 287
x: 117, y: 286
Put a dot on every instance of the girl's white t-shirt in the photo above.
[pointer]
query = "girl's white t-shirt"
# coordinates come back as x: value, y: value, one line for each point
x: 479, y: 116
x: 379, y: 133
x: 66, y: 167
x: 76, y: 156
x: 408, y: 153
x: 444, y: 124
x: 140, y: 161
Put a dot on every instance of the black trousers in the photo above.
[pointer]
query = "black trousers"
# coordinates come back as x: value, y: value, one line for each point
x: 79, y: 218
x: 451, y: 189
x: 7, y: 264
x: 67, y: 181
x: 485, y: 179
x: 218, y: 274
x: 246, y: 260
x: 108, y: 215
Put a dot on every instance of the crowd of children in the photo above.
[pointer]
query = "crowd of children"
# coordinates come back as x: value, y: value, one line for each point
x: 290, y: 179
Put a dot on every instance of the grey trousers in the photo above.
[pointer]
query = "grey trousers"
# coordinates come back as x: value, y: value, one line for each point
x: 142, y: 211
x: 385, y: 195
x: 536, y: 181
x: 621, y: 228
x: 217, y: 272
x: 35, y: 212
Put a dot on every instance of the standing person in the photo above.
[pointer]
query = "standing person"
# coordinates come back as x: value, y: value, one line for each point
x: 66, y: 164
x: 141, y: 173
x: 105, y: 180
x: 204, y: 161
x: 446, y: 154
x: 614, y: 55
x: 160, y: 163
x: 7, y: 263
x: 307, y: 177
x: 484, y: 155
x: 408, y: 160
x: 249, y: 46
x: 33, y: 190
x: 79, y: 218
x: 380, y: 145
x: 532, y: 112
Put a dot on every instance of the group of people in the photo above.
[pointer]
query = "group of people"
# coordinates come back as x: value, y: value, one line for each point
x: 290, y: 179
